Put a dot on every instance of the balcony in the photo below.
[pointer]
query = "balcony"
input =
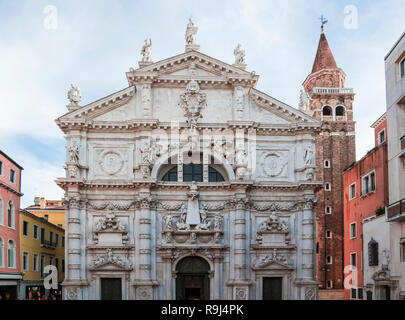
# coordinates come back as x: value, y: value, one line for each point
x: 332, y: 91
x: 48, y: 244
x: 396, y: 211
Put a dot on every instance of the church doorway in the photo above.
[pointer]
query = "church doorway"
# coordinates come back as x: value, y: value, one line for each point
x: 272, y: 288
x: 111, y: 289
x: 192, y: 282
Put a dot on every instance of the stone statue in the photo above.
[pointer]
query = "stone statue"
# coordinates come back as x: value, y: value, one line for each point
x: 238, y: 102
x: 73, y: 153
x: 229, y: 152
x: 191, y: 32
x: 239, y: 55
x: 309, y: 156
x: 146, y: 51
x: 217, y: 223
x: 181, y: 224
x: 167, y: 222
x: 74, y: 95
x: 385, y: 259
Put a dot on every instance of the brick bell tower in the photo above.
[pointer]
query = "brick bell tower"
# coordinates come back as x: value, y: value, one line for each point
x: 326, y: 98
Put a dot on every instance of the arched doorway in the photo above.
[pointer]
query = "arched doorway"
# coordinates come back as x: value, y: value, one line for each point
x: 192, y: 282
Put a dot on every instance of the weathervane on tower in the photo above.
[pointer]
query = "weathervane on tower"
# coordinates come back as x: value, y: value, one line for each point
x: 323, y: 22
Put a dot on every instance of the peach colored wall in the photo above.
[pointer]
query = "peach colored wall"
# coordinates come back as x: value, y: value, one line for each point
x: 377, y: 130
x: 7, y: 233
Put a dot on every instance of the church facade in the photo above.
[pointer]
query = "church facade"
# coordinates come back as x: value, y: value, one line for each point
x: 189, y: 184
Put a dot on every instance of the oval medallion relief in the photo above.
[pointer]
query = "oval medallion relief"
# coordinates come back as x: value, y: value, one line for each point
x: 273, y: 164
x: 112, y: 162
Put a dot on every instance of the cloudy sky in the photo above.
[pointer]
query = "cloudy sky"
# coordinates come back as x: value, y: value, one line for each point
x: 93, y: 43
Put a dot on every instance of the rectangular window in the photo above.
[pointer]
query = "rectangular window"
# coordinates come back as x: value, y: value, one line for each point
x: 328, y: 234
x: 42, y: 266
x: 381, y: 136
x: 25, y: 261
x: 402, y: 249
x: 402, y: 66
x: 25, y: 228
x: 63, y: 265
x: 42, y: 235
x: 1, y: 168
x: 328, y: 210
x: 327, y: 186
x: 12, y: 175
x: 328, y: 259
x: 51, y: 261
x: 352, y: 191
x: 353, y: 260
x: 63, y: 242
x: 35, y: 232
x: 51, y: 237
x: 360, y: 293
x: 353, y: 230
x: 353, y: 294
x: 329, y: 284
x: 368, y: 183
x: 57, y: 263
x: 56, y: 239
x: 35, y: 263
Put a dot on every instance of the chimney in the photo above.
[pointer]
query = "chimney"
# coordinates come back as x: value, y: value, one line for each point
x: 36, y: 201
x: 42, y: 203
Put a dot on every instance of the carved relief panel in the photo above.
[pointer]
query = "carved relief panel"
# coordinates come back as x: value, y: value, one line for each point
x: 111, y: 162
x: 274, y: 165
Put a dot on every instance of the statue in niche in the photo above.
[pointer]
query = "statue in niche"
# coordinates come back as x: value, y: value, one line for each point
x: 74, y: 153
x: 146, y: 51
x: 191, y: 33
x: 239, y: 55
x: 229, y: 152
x: 309, y: 156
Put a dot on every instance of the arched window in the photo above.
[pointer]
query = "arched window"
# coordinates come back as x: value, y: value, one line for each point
x: 1, y: 212
x: 327, y: 111
x: 10, y: 215
x: 1, y: 253
x: 193, y: 172
x: 11, y: 254
x: 373, y: 253
x: 340, y: 111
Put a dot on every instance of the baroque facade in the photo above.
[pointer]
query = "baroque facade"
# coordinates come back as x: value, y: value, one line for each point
x: 189, y: 184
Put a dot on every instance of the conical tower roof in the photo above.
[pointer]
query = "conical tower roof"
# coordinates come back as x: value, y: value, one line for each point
x: 324, y: 58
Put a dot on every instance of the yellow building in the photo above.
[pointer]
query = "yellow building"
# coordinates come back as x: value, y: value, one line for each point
x: 41, y: 243
x: 53, y: 210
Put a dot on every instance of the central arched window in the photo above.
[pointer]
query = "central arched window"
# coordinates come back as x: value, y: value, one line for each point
x: 193, y: 172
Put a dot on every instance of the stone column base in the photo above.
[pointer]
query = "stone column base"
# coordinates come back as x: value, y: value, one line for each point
x: 73, y: 290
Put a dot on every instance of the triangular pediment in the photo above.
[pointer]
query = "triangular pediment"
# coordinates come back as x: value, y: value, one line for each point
x: 191, y: 65
x: 273, y: 265
x: 111, y: 266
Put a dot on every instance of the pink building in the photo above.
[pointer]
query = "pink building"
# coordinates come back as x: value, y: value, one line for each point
x: 10, y: 193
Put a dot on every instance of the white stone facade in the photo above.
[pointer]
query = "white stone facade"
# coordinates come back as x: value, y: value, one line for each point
x: 125, y: 222
x: 395, y: 86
